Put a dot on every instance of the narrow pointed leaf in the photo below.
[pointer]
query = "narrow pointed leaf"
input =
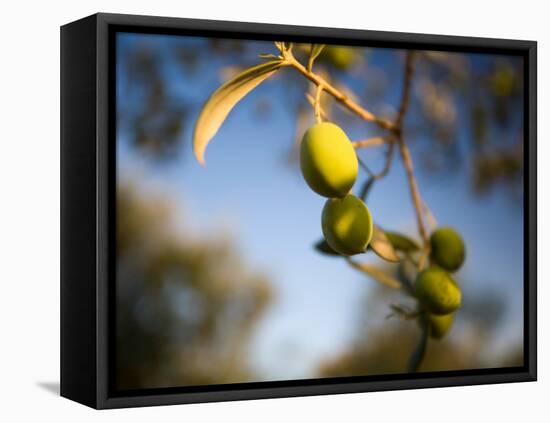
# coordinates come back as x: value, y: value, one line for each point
x: 377, y: 274
x: 222, y: 101
x: 382, y: 246
x: 402, y: 242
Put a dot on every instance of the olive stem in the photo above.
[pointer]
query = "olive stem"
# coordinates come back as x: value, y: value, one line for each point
x: 404, y: 149
x: 373, y: 177
x: 317, y: 104
x: 387, y: 165
x: 418, y: 354
x: 413, y: 187
x: 336, y: 93
x: 420, y: 351
x: 369, y: 142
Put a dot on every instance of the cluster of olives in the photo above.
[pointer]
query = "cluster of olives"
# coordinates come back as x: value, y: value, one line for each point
x: 329, y: 166
x: 437, y: 291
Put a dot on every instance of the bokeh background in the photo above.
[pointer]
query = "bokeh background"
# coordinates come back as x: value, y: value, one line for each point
x: 218, y: 280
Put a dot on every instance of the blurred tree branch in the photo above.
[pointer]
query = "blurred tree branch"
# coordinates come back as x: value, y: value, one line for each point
x: 370, y: 142
x: 404, y: 149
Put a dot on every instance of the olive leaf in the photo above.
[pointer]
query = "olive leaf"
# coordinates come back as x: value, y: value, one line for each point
x: 402, y: 242
x: 222, y: 101
x: 323, y: 247
x: 376, y: 273
x: 382, y: 246
x: 314, y: 52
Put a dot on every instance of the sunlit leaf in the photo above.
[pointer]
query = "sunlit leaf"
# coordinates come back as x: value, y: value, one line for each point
x: 222, y: 101
x: 322, y: 247
x: 382, y: 246
x: 377, y: 274
x: 402, y: 242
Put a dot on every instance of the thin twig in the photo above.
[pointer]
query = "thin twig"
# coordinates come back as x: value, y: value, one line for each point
x: 387, y: 164
x: 311, y: 58
x: 402, y: 311
x: 406, y: 93
x: 404, y: 149
x: 420, y: 351
x: 413, y: 187
x: 430, y: 218
x: 365, y: 189
x: 369, y: 142
x: 336, y: 93
x: 311, y: 101
x: 418, y: 354
x: 373, y: 177
x: 366, y: 168
x: 317, y: 105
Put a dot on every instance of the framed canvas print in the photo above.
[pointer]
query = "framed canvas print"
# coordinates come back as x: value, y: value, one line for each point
x: 256, y: 211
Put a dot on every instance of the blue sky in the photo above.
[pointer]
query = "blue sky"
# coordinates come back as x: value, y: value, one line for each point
x: 248, y: 190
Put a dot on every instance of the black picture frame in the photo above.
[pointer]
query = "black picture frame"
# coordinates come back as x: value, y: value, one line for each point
x: 88, y: 210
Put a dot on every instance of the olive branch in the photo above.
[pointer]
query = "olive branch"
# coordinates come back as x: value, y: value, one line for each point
x: 389, y: 246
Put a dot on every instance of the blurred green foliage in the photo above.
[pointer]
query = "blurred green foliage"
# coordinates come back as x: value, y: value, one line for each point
x: 186, y: 307
x: 383, y: 345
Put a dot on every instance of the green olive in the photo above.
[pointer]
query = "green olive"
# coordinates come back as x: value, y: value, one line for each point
x: 440, y: 325
x: 437, y: 291
x: 339, y: 56
x: 347, y: 225
x: 328, y: 160
x: 448, y: 249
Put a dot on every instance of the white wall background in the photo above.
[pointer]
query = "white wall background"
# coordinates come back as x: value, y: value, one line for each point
x: 29, y: 192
